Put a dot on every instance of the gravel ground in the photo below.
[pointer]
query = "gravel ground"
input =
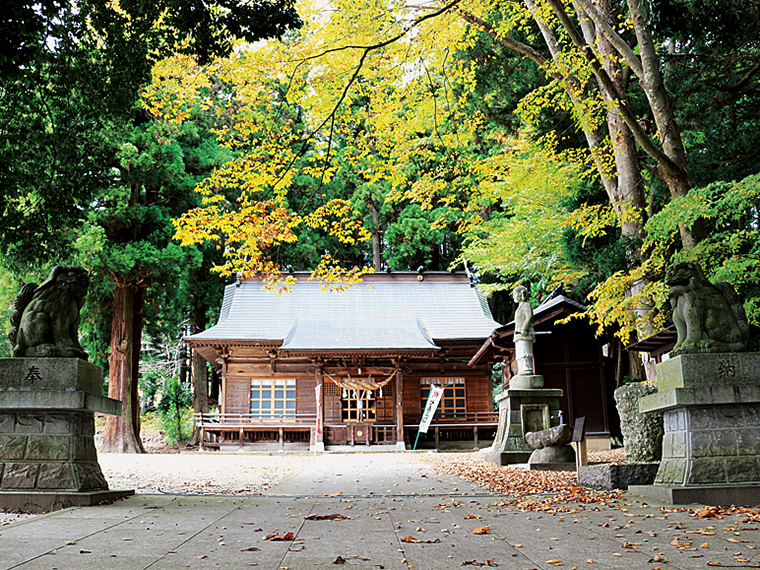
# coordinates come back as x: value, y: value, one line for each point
x: 234, y: 474
x: 191, y: 473
x: 198, y: 473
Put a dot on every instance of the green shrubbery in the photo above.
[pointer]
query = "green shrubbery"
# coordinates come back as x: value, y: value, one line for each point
x: 175, y: 410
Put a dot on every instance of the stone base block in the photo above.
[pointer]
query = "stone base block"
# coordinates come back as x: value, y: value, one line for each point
x: 555, y: 458
x: 526, y: 382
x: 52, y: 476
x: 522, y: 411
x: 715, y: 495
x: 506, y: 457
x: 50, y: 374
x: 49, y: 384
x: 554, y: 454
x: 612, y: 476
x: 552, y: 466
x: 42, y: 502
x: 49, y: 451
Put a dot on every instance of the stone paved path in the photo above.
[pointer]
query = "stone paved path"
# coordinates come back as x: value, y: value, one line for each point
x: 384, y: 502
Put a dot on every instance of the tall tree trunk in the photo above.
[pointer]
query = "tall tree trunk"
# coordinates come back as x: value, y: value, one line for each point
x: 122, y: 433
x: 216, y: 386
x: 178, y: 416
x: 375, y: 236
x: 199, y: 372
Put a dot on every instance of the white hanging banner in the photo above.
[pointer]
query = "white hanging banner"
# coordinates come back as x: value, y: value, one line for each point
x: 318, y: 394
x: 434, y: 397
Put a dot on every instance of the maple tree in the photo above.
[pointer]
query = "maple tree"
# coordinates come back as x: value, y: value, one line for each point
x: 401, y: 102
x: 344, y: 169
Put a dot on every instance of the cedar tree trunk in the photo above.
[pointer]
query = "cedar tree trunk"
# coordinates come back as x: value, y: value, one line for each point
x: 122, y: 433
x: 199, y: 373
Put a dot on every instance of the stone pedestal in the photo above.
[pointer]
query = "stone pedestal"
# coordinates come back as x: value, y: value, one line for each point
x: 552, y: 452
x: 613, y: 476
x: 522, y: 410
x: 711, y: 415
x: 48, y: 458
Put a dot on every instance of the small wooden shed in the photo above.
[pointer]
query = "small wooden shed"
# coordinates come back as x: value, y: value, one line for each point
x: 569, y: 356
x: 311, y: 367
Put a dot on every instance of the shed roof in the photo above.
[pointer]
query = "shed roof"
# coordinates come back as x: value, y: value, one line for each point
x: 387, y: 312
x: 553, y: 308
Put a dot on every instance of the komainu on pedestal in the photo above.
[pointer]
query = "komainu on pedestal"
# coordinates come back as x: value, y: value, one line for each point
x: 49, y: 394
x: 709, y: 395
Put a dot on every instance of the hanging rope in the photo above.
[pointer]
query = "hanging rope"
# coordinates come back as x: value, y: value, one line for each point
x: 361, y: 384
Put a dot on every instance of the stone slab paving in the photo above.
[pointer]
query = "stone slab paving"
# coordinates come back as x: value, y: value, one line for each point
x: 383, y: 499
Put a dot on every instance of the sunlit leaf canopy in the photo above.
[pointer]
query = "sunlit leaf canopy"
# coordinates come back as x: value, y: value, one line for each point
x: 389, y: 94
x: 381, y: 86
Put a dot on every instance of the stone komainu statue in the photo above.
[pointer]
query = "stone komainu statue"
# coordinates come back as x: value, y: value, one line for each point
x: 709, y: 317
x: 45, y: 320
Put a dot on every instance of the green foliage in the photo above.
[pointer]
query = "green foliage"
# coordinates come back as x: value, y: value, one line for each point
x: 127, y: 238
x: 176, y: 430
x: 497, y: 382
x: 70, y: 75
x: 712, y: 75
x: 9, y: 288
x: 422, y: 237
x: 524, y: 242
x: 175, y: 410
x: 149, y: 383
x: 730, y: 250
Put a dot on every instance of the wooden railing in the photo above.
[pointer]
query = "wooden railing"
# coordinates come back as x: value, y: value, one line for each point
x: 216, y: 418
x: 240, y: 429
x: 210, y: 420
x: 460, y: 419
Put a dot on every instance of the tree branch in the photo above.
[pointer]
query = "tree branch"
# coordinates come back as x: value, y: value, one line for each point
x: 736, y: 87
x: 613, y: 37
x: 671, y: 167
x: 511, y: 43
x: 366, y: 50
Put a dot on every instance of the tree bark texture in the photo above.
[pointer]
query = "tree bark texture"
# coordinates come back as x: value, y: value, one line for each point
x: 375, y: 237
x: 624, y: 185
x: 216, y: 387
x: 122, y: 433
x: 199, y: 372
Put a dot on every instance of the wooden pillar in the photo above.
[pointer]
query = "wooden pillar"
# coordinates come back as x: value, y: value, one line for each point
x: 242, y: 437
x: 319, y: 431
x: 223, y: 381
x: 475, y: 436
x: 400, y: 445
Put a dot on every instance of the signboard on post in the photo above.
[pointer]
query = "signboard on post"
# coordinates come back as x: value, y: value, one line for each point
x: 579, y: 439
x: 434, y: 398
